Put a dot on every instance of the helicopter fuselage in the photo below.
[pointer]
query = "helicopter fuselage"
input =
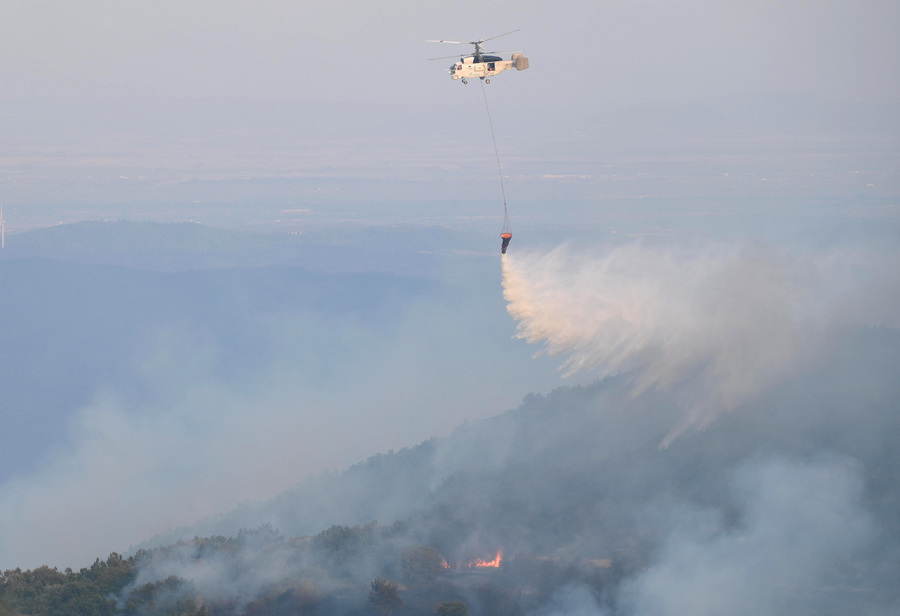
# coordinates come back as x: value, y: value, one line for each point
x: 485, y: 66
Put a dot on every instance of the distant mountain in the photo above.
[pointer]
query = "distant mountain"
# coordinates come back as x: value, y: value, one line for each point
x: 188, y: 246
x: 71, y: 329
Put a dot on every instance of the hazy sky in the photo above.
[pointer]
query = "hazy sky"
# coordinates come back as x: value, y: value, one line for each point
x: 356, y: 75
x: 350, y: 50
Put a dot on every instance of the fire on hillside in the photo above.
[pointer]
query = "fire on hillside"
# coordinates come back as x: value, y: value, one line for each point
x: 478, y: 563
x: 488, y: 563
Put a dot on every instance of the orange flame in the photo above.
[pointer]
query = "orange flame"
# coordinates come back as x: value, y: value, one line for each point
x: 489, y: 563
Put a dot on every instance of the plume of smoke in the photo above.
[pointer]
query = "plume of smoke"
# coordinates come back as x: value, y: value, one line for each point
x: 244, y: 573
x: 721, y: 322
x: 799, y: 523
x: 573, y: 600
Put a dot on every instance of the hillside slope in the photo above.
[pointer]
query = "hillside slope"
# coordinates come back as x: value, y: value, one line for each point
x: 801, y: 478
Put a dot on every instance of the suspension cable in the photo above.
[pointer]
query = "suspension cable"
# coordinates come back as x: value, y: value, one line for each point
x: 506, y: 226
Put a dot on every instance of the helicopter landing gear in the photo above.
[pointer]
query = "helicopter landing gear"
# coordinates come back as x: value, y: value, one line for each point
x: 465, y: 81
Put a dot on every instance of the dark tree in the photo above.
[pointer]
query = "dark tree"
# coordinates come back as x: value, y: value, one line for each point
x: 496, y: 600
x: 172, y: 595
x: 421, y: 564
x: 385, y: 596
x: 451, y: 608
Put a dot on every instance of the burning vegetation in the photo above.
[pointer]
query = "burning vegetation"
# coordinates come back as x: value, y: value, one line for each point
x: 478, y: 563
x: 488, y: 563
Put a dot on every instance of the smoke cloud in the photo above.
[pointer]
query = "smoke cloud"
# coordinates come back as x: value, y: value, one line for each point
x: 800, y: 524
x: 710, y: 328
x: 290, y: 376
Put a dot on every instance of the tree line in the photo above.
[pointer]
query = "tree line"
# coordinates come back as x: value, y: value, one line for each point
x: 357, y: 570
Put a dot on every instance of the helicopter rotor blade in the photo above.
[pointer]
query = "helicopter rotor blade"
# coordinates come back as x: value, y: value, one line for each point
x: 478, y: 51
x: 444, y: 57
x: 493, y: 37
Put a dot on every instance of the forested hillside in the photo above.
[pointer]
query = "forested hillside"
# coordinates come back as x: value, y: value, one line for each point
x: 575, y: 494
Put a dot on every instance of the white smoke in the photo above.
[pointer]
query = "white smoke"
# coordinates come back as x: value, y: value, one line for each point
x: 800, y: 523
x: 711, y: 328
x: 573, y: 600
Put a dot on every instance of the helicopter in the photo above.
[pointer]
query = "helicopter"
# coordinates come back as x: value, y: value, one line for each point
x: 481, y: 63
